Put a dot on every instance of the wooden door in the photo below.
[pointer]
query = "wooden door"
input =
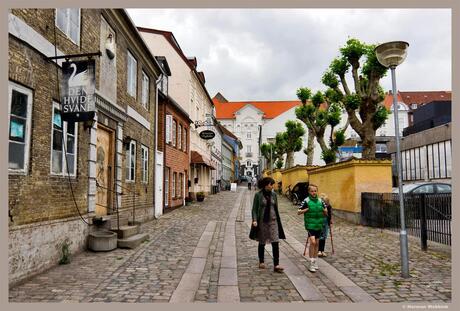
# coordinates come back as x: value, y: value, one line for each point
x: 104, y: 169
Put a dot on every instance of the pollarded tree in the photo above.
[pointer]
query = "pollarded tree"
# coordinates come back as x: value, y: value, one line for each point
x: 304, y: 95
x: 268, y: 151
x: 290, y: 141
x: 317, y: 118
x: 365, y: 100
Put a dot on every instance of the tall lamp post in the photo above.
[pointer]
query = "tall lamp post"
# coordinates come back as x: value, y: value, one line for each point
x: 271, y: 142
x: 390, y: 55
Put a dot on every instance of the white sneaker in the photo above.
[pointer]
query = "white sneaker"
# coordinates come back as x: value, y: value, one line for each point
x: 315, y: 265
x: 311, y: 267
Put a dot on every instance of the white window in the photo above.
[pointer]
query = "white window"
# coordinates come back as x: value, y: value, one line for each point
x: 169, y: 120
x: 174, y: 133
x: 132, y: 75
x: 131, y: 161
x: 180, y: 185
x: 248, y: 147
x: 145, y: 164
x: 145, y: 90
x: 68, y: 21
x: 248, y: 136
x: 64, y: 141
x: 184, y: 143
x: 173, y: 190
x: 179, y: 137
x: 249, y: 164
x: 166, y: 186
x: 20, y: 115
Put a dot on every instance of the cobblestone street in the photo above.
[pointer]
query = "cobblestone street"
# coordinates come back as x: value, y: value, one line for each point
x: 202, y: 253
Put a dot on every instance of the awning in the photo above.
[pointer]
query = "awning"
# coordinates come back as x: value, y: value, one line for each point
x: 197, y: 158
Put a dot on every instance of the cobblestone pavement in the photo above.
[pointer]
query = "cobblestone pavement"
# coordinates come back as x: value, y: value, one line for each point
x: 152, y: 272
x: 370, y: 258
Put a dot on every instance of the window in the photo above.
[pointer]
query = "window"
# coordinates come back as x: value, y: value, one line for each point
x: 448, y: 159
x: 179, y: 137
x: 174, y: 133
x: 145, y: 164
x: 180, y: 184
x: 169, y: 120
x: 145, y: 90
x: 248, y: 135
x: 424, y: 189
x: 444, y: 188
x: 184, y: 143
x: 132, y: 75
x: 68, y: 21
x: 248, y: 147
x: 166, y: 186
x: 131, y: 161
x: 249, y: 164
x: 64, y: 141
x: 19, y: 127
x: 173, y: 190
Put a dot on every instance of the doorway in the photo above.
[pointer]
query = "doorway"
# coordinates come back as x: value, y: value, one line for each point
x: 104, y: 169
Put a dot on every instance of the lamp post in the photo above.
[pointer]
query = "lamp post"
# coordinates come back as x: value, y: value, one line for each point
x: 390, y: 55
x: 271, y: 141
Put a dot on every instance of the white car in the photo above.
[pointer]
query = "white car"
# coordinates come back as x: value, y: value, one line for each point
x: 425, y: 187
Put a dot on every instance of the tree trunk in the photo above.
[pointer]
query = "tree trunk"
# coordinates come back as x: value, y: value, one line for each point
x: 321, y: 142
x: 368, y: 141
x: 310, y: 151
x: 290, y: 159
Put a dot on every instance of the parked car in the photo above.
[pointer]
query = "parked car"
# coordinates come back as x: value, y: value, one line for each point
x: 425, y: 187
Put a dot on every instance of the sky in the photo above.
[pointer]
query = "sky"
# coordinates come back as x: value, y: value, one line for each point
x: 267, y: 54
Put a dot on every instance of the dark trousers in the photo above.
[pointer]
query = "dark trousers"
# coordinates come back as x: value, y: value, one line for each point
x: 276, y: 253
x: 322, y: 244
x: 249, y: 185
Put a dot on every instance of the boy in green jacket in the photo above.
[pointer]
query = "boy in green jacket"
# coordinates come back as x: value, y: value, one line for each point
x: 314, y: 211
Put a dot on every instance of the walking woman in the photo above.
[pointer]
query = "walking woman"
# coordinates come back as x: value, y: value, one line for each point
x: 266, y: 222
x: 326, y: 226
x: 314, y: 213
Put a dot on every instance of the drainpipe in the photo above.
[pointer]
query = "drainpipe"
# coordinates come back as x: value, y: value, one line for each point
x: 160, y: 77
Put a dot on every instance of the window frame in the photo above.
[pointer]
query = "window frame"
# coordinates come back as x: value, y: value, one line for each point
x: 174, y: 133
x: 145, y: 164
x: 64, y: 172
x: 132, y: 143
x: 66, y: 32
x: 179, y: 136
x: 129, y: 56
x: 166, y: 180
x: 145, y: 84
x: 184, y: 142
x: 21, y: 89
x: 173, y: 183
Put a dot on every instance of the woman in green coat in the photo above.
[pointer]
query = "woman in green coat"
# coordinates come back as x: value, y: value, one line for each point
x: 314, y: 211
x: 266, y: 222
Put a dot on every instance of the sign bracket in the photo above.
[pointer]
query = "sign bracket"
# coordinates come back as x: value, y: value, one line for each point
x: 89, y: 55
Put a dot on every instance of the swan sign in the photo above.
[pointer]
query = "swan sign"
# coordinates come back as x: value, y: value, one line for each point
x: 78, y: 86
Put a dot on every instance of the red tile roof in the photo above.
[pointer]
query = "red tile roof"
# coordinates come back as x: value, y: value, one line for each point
x: 271, y: 109
x: 418, y: 98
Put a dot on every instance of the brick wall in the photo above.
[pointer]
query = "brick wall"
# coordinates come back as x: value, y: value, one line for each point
x: 178, y: 160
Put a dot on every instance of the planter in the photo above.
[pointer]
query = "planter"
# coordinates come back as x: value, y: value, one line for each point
x: 102, y: 241
x: 200, y: 198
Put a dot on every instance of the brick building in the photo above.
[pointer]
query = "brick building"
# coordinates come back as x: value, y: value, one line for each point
x: 110, y: 161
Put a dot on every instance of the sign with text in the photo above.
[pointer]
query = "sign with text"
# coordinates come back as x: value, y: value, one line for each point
x: 78, y: 87
x: 207, y: 134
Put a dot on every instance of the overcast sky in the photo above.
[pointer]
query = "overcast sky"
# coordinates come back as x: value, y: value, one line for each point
x: 266, y: 54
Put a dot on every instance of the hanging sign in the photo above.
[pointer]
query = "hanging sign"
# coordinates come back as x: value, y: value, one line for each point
x: 78, y: 86
x: 207, y: 134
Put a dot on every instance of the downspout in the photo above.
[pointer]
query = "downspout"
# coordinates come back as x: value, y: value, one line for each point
x: 160, y: 77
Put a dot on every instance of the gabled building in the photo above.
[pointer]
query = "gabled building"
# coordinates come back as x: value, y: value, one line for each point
x: 186, y: 87
x: 244, y: 119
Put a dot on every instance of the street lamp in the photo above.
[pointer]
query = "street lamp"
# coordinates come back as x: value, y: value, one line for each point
x: 390, y: 55
x: 271, y: 141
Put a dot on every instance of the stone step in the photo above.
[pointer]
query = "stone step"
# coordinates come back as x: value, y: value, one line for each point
x: 126, y: 231
x: 132, y: 241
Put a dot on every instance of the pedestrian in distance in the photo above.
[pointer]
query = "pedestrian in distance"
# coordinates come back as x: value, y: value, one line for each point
x: 314, y: 212
x: 326, y: 226
x: 266, y: 223
x: 249, y: 182
x: 254, y: 183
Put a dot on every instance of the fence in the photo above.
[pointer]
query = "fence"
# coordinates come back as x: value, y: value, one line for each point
x: 427, y: 216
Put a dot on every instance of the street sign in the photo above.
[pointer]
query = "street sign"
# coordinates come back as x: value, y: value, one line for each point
x: 207, y: 134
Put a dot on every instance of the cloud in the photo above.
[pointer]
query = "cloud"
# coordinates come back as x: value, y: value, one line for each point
x: 266, y: 54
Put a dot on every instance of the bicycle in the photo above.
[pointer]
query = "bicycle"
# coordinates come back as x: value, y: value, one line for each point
x: 292, y: 196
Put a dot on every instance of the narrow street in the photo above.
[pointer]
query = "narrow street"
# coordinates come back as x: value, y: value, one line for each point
x: 202, y: 253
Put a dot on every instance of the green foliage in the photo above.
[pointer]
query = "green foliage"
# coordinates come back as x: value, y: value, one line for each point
x: 372, y: 64
x: 279, y: 163
x: 353, y: 50
x: 317, y: 99
x: 352, y: 101
x: 340, y: 66
x: 380, y: 116
x: 333, y: 96
x: 333, y: 116
x: 65, y: 252
x: 303, y: 94
x: 293, y: 136
x: 328, y: 156
x: 321, y: 118
x: 339, y: 138
x: 330, y: 79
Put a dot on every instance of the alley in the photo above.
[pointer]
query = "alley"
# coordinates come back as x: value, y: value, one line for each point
x: 202, y: 253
